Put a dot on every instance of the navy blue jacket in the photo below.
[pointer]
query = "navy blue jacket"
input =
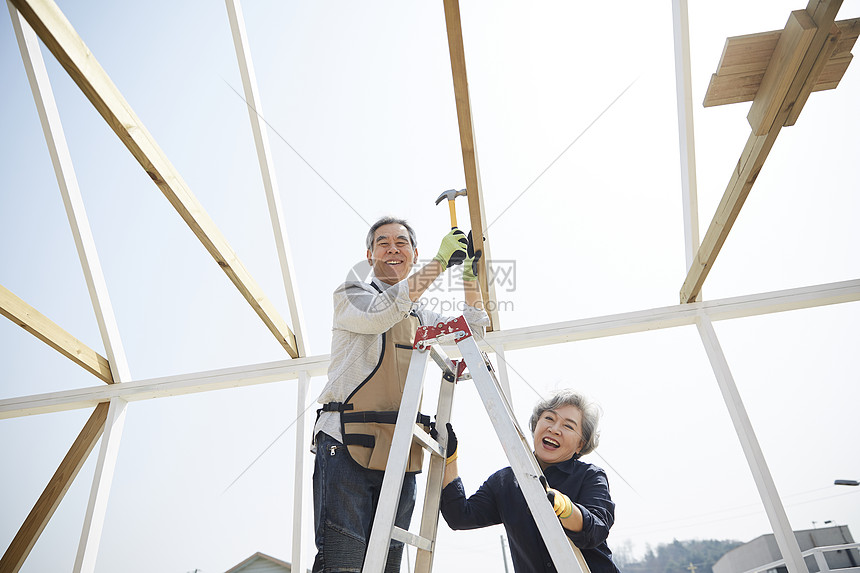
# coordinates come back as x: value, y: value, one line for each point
x: 500, y: 500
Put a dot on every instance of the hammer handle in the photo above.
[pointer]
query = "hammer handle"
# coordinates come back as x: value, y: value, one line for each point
x: 453, y: 213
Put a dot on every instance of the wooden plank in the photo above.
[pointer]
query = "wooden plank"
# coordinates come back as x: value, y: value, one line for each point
x: 758, y: 146
x: 475, y: 194
x: 848, y: 32
x: 789, y: 54
x: 748, y: 53
x: 838, y: 63
x: 752, y: 159
x: 741, y: 68
x: 745, y: 59
x: 62, y: 40
x: 832, y: 73
x: 57, y: 487
x: 812, y: 79
x: 823, y: 14
x: 735, y: 88
x: 48, y: 332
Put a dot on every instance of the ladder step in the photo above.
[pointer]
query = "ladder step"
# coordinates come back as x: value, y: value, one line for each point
x: 412, y: 539
x: 429, y: 444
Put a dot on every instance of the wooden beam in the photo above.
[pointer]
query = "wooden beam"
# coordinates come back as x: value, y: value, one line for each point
x: 68, y: 48
x: 53, y: 494
x: 509, y: 339
x: 748, y: 167
x: 474, y: 191
x: 784, y: 65
x: 759, y: 145
x: 745, y: 59
x: 48, y: 332
x: 815, y: 72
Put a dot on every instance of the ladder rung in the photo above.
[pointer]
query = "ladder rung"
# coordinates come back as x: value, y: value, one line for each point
x: 412, y: 539
x: 431, y: 445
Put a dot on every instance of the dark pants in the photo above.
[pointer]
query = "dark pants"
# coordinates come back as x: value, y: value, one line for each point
x: 345, y: 499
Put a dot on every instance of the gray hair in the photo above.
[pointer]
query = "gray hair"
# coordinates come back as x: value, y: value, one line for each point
x: 590, y: 416
x: 387, y: 220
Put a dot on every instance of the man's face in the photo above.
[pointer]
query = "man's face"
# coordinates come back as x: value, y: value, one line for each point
x: 392, y: 254
x: 558, y: 434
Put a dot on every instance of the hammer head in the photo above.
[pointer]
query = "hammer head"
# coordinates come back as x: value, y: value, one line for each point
x: 450, y: 194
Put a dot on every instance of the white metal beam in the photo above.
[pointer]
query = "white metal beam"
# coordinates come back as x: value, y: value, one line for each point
x: 267, y: 168
x: 782, y: 530
x: 527, y: 337
x: 299, y: 559
x: 678, y: 315
x: 88, y: 548
x: 234, y: 377
x: 686, y: 135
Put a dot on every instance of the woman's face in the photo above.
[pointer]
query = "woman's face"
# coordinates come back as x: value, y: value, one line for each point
x: 558, y: 434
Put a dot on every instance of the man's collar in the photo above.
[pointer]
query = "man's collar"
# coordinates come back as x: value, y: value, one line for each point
x: 379, y: 283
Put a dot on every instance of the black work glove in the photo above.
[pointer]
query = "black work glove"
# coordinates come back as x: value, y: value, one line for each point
x: 451, y: 448
x: 470, y: 265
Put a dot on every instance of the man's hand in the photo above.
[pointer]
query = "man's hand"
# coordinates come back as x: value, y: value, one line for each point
x: 451, y: 448
x: 470, y: 266
x: 452, y: 251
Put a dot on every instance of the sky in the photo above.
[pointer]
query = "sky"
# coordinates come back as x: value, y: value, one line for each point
x: 586, y: 214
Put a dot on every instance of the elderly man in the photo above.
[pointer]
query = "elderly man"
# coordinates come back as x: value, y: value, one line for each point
x: 374, y: 327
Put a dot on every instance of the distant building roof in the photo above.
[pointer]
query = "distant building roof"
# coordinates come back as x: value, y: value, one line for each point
x: 764, y: 549
x: 261, y: 563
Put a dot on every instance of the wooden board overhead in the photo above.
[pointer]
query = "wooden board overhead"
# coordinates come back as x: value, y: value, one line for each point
x: 788, y: 56
x: 69, y: 49
x: 48, y: 332
x: 745, y: 60
x: 794, y: 74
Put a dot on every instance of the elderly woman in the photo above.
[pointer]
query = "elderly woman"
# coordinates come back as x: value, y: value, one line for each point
x: 564, y: 428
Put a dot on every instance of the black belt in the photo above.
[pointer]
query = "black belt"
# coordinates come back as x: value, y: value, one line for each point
x: 386, y: 417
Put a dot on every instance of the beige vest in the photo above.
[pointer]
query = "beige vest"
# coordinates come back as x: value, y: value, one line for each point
x: 368, y: 427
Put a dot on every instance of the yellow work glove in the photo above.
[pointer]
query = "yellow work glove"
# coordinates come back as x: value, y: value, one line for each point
x: 561, y: 504
x: 452, y: 251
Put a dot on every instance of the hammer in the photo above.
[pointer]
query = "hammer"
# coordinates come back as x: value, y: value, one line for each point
x: 450, y: 195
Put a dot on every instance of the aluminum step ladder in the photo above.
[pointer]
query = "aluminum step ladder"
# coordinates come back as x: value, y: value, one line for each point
x: 566, y: 557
